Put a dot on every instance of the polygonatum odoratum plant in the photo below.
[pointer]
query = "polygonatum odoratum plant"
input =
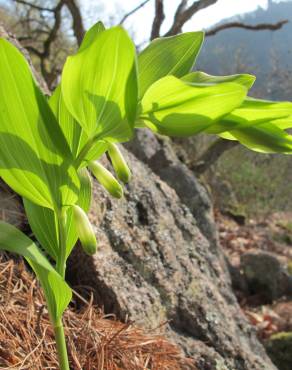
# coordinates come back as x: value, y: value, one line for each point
x: 48, y: 146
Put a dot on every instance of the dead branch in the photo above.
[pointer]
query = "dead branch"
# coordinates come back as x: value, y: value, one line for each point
x: 256, y: 27
x: 158, y: 19
x: 127, y: 15
x: 212, y: 154
x: 184, y: 13
x: 34, y: 6
x: 78, y: 27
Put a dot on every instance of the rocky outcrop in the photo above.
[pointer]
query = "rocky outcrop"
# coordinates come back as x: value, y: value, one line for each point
x: 159, y: 155
x: 154, y: 266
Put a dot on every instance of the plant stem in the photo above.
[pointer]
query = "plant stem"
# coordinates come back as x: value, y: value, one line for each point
x: 61, y: 261
x: 61, y: 345
x: 85, y: 150
x: 61, y: 269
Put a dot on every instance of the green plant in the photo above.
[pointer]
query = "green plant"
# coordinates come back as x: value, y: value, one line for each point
x: 46, y: 145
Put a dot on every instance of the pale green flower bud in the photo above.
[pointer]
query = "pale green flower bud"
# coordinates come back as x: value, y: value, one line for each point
x: 106, y: 179
x: 119, y: 164
x: 84, y: 230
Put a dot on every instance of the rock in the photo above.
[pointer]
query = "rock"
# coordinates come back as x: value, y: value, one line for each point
x: 155, y: 266
x: 265, y: 275
x: 159, y: 155
x: 279, y: 347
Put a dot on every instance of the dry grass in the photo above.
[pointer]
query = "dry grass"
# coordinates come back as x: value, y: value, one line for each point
x: 95, y: 341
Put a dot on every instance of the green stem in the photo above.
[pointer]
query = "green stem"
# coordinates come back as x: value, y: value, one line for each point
x: 61, y: 345
x: 61, y: 261
x: 61, y: 269
x: 86, y: 148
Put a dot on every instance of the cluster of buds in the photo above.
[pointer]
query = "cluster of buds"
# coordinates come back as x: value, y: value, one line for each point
x: 111, y: 184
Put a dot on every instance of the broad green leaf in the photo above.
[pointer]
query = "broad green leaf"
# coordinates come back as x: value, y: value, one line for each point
x: 35, y: 159
x: 73, y: 132
x: 174, y: 55
x: 44, y: 223
x: 176, y: 108
x: 99, y: 86
x: 265, y: 137
x: 57, y: 292
x: 201, y: 77
x: 283, y: 123
x: 252, y: 112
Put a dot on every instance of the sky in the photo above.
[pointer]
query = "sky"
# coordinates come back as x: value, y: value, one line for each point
x: 140, y: 24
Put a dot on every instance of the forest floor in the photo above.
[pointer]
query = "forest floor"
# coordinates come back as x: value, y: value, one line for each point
x: 271, y: 235
x: 95, y: 341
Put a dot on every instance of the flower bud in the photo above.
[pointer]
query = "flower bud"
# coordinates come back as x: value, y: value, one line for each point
x: 106, y: 179
x: 119, y: 164
x: 84, y: 230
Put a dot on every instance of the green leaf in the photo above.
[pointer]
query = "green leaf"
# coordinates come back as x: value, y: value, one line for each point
x: 201, y: 77
x: 58, y: 293
x: 265, y: 138
x: 259, y: 125
x: 252, y: 112
x: 73, y: 132
x: 174, y: 55
x: 176, y: 108
x: 44, y: 223
x: 35, y: 159
x: 99, y: 86
x: 91, y: 35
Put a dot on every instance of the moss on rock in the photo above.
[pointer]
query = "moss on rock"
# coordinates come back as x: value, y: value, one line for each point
x: 279, y: 348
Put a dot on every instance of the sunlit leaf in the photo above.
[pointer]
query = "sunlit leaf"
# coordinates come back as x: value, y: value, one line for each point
x: 44, y: 223
x: 266, y: 138
x: 99, y: 86
x: 252, y: 112
x: 91, y: 35
x: 35, y: 159
x: 73, y: 132
x: 174, y: 55
x: 176, y: 108
x: 57, y: 292
x: 201, y: 77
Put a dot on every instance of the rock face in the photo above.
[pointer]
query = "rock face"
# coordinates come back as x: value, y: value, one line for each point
x: 159, y: 261
x: 159, y: 155
x: 154, y: 266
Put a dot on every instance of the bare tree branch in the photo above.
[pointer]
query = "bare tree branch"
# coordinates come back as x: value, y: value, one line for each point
x: 34, y: 6
x: 212, y: 154
x: 257, y: 27
x: 127, y: 15
x: 184, y: 13
x: 158, y: 19
x: 44, y: 54
x: 78, y: 27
